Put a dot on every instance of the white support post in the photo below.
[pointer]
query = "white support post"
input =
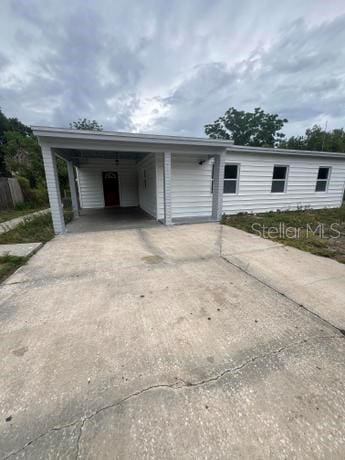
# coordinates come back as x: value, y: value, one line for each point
x: 218, y: 185
x: 167, y: 188
x: 72, y: 187
x: 53, y: 187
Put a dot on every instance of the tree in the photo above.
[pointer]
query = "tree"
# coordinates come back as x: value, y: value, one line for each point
x: 23, y: 156
x: 85, y: 124
x: 256, y: 128
x: 8, y: 126
x: 317, y: 138
x: 3, y: 129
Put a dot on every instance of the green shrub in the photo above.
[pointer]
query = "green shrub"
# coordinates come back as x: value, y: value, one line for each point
x: 23, y: 206
x: 26, y: 188
x: 34, y: 197
x: 40, y: 196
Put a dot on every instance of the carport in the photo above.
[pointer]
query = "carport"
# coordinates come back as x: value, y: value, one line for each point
x: 77, y: 147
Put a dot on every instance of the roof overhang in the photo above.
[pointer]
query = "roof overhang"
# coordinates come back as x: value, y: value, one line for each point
x: 284, y: 152
x: 102, y: 141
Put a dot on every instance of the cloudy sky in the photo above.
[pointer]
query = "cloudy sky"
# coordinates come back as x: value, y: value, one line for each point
x: 172, y: 66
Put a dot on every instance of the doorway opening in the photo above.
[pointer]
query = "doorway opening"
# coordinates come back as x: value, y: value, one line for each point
x: 111, y: 188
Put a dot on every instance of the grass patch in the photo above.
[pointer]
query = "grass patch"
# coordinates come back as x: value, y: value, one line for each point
x: 9, y: 264
x: 33, y: 230
x: 8, y: 214
x: 321, y: 232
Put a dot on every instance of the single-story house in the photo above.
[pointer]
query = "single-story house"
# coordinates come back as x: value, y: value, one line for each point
x: 175, y: 178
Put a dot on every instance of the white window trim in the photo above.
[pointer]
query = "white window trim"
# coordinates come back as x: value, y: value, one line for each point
x: 323, y: 180
x: 230, y: 163
x: 277, y: 180
x: 144, y: 179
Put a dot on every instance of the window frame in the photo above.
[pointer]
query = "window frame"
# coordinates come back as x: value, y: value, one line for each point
x: 323, y: 180
x: 280, y: 180
x: 237, y: 180
x: 144, y: 178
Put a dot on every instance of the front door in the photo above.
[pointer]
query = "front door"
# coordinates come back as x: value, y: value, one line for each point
x: 111, y: 188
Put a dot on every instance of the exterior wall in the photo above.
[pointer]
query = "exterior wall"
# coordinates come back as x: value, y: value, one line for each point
x: 255, y: 179
x: 191, y: 186
x: 90, y: 182
x: 147, y: 188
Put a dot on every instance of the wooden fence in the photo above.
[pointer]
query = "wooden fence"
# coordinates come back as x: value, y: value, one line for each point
x: 10, y: 192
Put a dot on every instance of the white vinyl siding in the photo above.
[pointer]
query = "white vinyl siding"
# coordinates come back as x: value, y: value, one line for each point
x: 191, y: 186
x: 255, y: 181
x: 147, y: 184
x: 90, y: 182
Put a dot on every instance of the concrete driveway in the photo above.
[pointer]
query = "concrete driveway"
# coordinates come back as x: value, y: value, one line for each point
x: 184, y: 342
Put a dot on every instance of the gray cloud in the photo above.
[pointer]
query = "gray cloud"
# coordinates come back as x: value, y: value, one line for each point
x: 82, y: 70
x: 4, y: 62
x: 300, y: 76
x: 171, y: 68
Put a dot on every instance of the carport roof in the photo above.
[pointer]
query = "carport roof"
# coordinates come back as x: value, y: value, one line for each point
x: 72, y: 138
x: 64, y: 138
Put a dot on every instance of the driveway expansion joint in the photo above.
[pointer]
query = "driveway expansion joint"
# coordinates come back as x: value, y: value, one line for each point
x: 178, y: 385
x: 277, y: 291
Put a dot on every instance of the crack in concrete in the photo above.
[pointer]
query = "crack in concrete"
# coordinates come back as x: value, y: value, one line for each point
x: 253, y: 359
x: 37, y: 438
x: 179, y: 384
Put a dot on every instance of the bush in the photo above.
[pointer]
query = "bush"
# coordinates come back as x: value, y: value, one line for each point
x: 23, y: 206
x: 26, y: 188
x: 40, y: 196
x: 33, y: 197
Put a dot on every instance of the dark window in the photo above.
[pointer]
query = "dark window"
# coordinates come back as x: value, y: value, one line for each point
x: 230, y: 186
x: 279, y: 172
x: 278, y: 186
x: 321, y: 186
x: 322, y: 179
x: 230, y: 179
x: 279, y: 179
x: 323, y: 173
x: 230, y: 172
